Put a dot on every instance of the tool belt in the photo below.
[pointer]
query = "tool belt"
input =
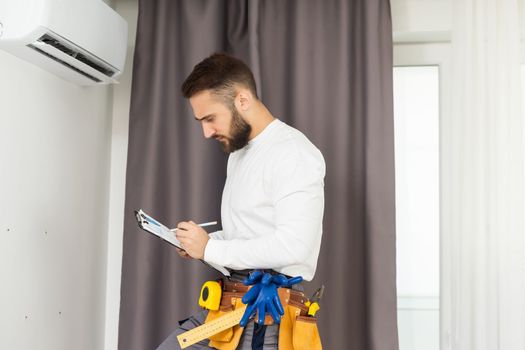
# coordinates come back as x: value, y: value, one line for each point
x: 297, y: 330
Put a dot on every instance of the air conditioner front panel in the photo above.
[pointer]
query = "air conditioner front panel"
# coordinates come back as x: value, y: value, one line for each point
x: 57, y: 62
x: 90, y: 24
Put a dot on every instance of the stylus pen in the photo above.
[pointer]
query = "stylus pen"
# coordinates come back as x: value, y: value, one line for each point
x: 211, y: 223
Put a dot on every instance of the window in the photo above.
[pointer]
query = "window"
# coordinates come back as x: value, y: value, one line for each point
x: 416, y: 125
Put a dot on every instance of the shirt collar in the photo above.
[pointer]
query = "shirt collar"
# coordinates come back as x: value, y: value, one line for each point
x: 263, y: 134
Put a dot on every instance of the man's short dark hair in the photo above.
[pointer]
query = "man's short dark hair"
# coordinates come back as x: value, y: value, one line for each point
x: 220, y: 73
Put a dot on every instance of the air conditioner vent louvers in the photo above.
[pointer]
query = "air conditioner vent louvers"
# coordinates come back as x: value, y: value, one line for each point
x: 64, y: 63
x: 49, y: 40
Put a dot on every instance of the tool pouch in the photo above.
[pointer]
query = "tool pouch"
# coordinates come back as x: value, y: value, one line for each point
x: 305, y: 334
x: 298, y: 332
x: 229, y: 338
x: 286, y: 327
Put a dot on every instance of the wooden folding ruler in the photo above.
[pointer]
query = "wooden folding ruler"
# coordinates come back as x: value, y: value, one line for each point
x: 208, y: 329
x: 226, y: 321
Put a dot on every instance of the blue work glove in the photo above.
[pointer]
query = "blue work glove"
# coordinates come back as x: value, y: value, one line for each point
x: 263, y: 296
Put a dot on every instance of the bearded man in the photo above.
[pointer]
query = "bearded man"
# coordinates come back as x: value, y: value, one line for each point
x: 273, y: 199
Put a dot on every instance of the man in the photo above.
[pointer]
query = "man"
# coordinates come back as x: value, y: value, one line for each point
x: 273, y: 198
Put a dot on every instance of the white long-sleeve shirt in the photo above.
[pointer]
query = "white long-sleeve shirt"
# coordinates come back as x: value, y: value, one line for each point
x: 272, y: 205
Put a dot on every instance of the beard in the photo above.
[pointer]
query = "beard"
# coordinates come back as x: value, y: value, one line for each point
x: 239, y: 133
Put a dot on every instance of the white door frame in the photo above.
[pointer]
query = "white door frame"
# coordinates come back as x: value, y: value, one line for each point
x: 435, y: 51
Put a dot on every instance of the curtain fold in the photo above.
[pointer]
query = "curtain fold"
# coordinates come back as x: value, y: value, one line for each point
x: 322, y: 67
x: 487, y: 230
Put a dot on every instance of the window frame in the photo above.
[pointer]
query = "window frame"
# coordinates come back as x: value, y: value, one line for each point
x: 438, y: 53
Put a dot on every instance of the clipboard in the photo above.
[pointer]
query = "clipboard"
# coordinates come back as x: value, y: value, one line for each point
x: 155, y: 227
x: 149, y: 224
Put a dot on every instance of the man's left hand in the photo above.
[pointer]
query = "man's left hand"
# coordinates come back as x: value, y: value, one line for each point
x: 193, y: 238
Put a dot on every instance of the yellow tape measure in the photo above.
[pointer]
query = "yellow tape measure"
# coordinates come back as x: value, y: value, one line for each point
x: 206, y: 330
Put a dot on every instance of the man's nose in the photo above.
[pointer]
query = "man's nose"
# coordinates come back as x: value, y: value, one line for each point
x: 208, y: 131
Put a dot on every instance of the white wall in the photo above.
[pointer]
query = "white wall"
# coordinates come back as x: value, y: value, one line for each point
x: 54, y: 182
x: 421, y: 20
x: 119, y: 146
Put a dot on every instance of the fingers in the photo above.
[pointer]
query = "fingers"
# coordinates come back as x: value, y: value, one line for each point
x: 183, y: 232
x: 182, y: 253
x: 189, y: 246
x: 294, y: 280
x: 193, y: 239
x: 251, y: 295
x: 188, y: 229
x: 253, y: 278
x: 279, y: 280
x: 277, y: 305
x: 185, y: 225
x: 266, y: 278
x: 263, y: 296
x: 184, y: 242
x: 247, y: 314
x: 273, y: 312
x: 184, y: 236
x: 261, y: 312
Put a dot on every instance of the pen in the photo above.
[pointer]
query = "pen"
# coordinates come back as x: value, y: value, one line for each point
x: 211, y: 223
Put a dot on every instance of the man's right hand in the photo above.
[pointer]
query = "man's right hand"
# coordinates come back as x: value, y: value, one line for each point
x: 183, y: 253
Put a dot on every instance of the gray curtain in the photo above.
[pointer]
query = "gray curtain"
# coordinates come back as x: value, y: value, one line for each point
x: 324, y: 67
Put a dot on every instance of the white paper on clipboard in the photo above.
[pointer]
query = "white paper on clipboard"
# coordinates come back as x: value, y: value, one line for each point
x: 148, y: 223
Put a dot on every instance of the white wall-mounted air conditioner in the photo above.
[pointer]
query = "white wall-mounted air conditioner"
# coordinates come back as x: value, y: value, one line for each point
x: 82, y: 41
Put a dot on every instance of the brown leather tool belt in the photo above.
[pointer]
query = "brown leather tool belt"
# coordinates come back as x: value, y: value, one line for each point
x: 235, y: 289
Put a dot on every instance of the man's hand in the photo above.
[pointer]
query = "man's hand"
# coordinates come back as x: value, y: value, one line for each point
x: 193, y: 238
x: 183, y: 253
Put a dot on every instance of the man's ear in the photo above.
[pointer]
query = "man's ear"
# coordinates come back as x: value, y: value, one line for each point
x: 244, y: 100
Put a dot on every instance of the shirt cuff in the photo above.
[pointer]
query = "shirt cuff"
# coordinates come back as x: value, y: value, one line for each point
x: 214, y: 250
x: 216, y: 234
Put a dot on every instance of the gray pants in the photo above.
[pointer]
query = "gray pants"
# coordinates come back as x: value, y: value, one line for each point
x: 254, y: 336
